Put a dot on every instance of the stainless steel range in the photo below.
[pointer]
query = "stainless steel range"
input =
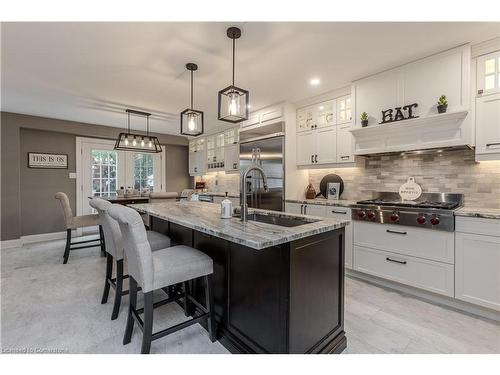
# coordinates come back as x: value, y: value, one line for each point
x: 430, y: 210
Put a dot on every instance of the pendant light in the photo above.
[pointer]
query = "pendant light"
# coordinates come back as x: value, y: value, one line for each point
x: 233, y: 101
x: 137, y: 142
x: 191, y: 119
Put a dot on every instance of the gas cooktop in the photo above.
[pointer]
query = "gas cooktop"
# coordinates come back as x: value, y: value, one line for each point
x: 430, y: 210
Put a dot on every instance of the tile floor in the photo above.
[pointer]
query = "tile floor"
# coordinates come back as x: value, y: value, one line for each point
x: 48, y: 305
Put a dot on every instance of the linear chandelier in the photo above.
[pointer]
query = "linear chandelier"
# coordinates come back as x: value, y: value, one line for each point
x: 137, y: 142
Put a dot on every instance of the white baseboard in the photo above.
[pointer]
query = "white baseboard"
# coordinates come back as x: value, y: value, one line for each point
x: 9, y: 244
x: 34, y: 238
x: 427, y: 296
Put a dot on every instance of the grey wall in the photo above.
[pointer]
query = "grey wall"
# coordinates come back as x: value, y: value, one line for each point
x: 177, y: 165
x: 40, y: 213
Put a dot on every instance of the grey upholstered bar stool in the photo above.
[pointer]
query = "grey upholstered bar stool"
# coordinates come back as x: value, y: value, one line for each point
x: 157, y: 270
x: 158, y: 197
x: 115, y: 252
x: 73, y: 222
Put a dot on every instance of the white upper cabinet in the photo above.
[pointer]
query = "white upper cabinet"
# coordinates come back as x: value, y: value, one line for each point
x: 488, y: 74
x: 197, y: 157
x: 265, y: 116
x: 326, y: 145
x: 344, y: 144
x: 488, y: 127
x: 323, y: 135
x: 344, y: 110
x: 325, y: 114
x: 422, y: 83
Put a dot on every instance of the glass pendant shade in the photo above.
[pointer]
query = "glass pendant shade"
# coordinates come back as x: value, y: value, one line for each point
x: 233, y: 104
x: 191, y: 119
x: 233, y: 101
x: 137, y: 142
x: 191, y: 122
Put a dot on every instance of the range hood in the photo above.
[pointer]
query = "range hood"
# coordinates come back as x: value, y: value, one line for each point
x: 434, y: 132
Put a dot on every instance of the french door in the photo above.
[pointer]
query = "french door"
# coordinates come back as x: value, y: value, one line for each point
x: 101, y: 171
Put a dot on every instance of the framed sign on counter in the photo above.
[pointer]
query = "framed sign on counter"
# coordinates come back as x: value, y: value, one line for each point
x: 47, y: 161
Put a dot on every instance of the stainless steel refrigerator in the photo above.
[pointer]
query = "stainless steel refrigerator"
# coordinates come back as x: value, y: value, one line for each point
x: 264, y: 145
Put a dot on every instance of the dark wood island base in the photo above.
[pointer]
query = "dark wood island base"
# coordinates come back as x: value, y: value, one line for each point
x: 282, y: 299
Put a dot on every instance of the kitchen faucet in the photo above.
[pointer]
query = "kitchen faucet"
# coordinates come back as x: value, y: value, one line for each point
x: 243, y: 198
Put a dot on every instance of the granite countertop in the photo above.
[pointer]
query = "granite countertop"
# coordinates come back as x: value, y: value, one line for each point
x: 325, y: 202
x: 471, y: 211
x: 205, y: 217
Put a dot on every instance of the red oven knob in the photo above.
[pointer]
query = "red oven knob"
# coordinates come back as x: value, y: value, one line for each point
x: 421, y: 219
x: 361, y: 214
x: 371, y: 215
x: 394, y: 217
x: 434, y: 220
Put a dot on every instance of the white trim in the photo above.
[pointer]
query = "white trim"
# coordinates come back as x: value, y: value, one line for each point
x: 427, y: 296
x: 9, y: 244
x: 485, y: 47
x: 35, y: 238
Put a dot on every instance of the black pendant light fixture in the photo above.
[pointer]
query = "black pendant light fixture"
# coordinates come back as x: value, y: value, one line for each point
x: 191, y: 119
x: 233, y: 101
x: 137, y: 142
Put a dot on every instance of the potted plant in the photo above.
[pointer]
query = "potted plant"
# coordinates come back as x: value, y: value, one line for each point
x: 442, y: 104
x: 364, y: 119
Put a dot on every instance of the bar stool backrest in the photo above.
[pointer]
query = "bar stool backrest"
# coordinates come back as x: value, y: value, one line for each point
x: 112, y: 234
x: 135, y: 241
x: 68, y: 214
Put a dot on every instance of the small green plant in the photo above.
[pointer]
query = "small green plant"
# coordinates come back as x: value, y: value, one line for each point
x: 364, y: 116
x: 442, y: 100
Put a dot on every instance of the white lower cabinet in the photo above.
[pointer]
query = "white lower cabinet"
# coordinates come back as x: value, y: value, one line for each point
x: 340, y: 213
x: 477, y: 267
x: 421, y: 273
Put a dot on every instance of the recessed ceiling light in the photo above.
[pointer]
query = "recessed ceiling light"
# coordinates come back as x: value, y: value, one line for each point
x: 314, y: 82
x: 321, y: 107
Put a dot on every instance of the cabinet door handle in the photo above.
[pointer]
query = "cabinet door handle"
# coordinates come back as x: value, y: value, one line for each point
x: 315, y: 158
x: 344, y: 157
x: 339, y: 212
x: 312, y: 158
x: 235, y: 166
x: 305, y: 209
x: 301, y: 209
x: 395, y: 232
x: 395, y: 261
x: 492, y: 144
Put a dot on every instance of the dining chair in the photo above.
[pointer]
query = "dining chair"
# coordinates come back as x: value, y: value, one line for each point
x: 74, y: 222
x: 157, y: 270
x: 115, y: 252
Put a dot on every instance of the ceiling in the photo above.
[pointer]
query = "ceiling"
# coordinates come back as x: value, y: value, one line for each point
x: 91, y: 72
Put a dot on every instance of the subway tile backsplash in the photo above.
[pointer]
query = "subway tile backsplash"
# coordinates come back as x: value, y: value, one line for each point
x: 447, y: 172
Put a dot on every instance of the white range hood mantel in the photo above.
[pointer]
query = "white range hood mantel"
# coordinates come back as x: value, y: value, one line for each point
x: 433, y: 131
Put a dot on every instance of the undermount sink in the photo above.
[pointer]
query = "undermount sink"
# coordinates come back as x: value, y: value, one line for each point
x: 282, y: 221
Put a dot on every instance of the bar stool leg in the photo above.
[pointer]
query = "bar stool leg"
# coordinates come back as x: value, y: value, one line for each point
x: 132, y: 305
x: 101, y: 241
x: 118, y: 290
x: 68, y: 246
x: 109, y: 273
x: 148, y: 323
x: 209, y: 294
x: 185, y: 287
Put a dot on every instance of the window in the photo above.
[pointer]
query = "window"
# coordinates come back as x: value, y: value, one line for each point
x: 488, y: 73
x: 143, y: 171
x: 104, y: 176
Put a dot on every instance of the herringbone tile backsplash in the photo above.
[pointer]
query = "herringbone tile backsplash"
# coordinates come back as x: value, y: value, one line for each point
x: 447, y: 172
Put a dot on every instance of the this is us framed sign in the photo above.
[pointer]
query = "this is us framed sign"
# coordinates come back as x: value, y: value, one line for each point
x: 47, y: 161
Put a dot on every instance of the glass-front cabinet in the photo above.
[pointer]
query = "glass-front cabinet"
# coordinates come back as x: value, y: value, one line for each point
x: 488, y: 74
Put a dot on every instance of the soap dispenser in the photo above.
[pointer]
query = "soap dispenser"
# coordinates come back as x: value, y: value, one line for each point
x: 226, y: 208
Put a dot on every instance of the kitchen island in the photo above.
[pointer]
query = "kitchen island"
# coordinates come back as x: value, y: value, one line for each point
x: 278, y: 278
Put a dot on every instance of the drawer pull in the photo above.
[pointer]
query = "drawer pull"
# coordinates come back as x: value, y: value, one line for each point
x: 344, y: 157
x: 395, y: 261
x: 493, y: 144
x: 339, y: 212
x: 396, y: 232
